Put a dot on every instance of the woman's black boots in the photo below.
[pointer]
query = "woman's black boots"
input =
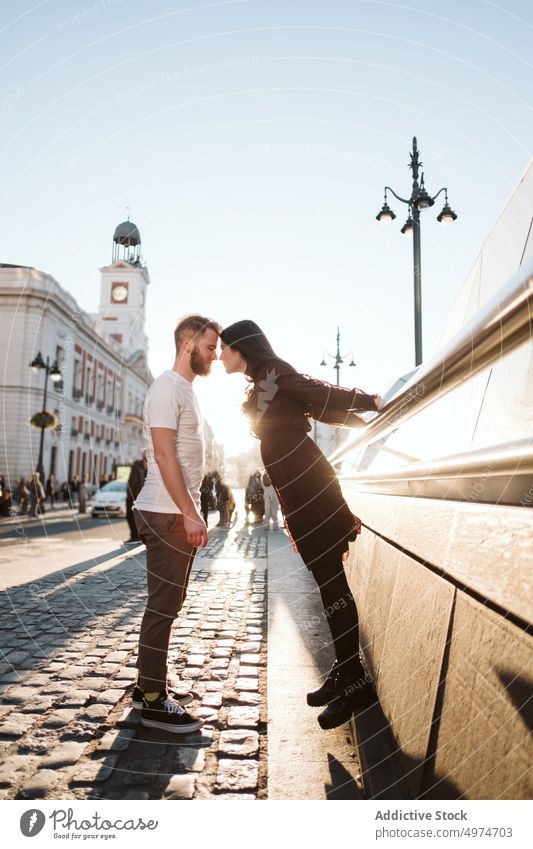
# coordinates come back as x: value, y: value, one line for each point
x: 350, y: 690
x: 324, y: 694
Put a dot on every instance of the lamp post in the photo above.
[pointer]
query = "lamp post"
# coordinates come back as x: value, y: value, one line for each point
x: 420, y: 199
x: 337, y: 357
x: 37, y: 365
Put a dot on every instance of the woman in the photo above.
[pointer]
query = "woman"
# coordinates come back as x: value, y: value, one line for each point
x: 279, y: 404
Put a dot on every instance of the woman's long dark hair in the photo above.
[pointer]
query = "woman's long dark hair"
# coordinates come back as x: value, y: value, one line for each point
x: 248, y: 339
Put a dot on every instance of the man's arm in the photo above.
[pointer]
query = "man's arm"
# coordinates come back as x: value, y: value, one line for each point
x: 164, y: 442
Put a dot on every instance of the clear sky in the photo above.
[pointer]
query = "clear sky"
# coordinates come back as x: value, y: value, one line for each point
x: 251, y: 141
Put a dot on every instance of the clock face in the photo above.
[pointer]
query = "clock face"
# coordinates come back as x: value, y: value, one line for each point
x: 119, y: 293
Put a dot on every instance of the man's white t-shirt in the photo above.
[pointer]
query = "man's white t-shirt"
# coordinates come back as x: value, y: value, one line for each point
x: 171, y: 402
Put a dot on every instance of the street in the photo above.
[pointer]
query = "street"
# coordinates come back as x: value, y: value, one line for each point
x: 71, y: 605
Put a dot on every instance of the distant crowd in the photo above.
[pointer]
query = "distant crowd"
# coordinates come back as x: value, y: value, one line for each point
x: 260, y: 500
x: 32, y: 496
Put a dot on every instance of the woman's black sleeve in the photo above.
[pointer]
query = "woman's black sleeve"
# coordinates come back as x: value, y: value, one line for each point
x: 321, y: 395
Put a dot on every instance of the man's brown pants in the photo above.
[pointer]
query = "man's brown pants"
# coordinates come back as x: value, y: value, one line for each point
x: 169, y: 559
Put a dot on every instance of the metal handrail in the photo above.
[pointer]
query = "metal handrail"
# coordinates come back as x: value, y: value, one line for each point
x: 498, y: 328
x: 492, y: 461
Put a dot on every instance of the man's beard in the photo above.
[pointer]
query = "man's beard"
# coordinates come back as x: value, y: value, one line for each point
x: 199, y: 365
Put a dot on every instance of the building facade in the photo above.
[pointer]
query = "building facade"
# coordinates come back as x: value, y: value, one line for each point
x: 98, y: 401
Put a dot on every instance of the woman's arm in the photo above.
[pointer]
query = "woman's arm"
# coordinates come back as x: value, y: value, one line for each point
x: 339, y: 417
x: 322, y: 395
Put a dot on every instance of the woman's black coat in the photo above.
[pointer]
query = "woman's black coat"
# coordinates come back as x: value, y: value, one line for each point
x: 280, y: 403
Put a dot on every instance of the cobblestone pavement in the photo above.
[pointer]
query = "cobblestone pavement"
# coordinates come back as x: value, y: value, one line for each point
x: 69, y: 644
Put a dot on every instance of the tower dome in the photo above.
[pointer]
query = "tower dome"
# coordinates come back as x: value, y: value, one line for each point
x: 127, y: 243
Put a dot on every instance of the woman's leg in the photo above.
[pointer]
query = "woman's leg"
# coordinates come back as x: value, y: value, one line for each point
x: 341, y: 613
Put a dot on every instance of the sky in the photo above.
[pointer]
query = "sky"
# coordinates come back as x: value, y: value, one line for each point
x: 251, y: 141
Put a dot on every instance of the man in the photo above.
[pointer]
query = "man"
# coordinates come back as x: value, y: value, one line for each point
x: 51, y: 490
x: 37, y: 495
x: 225, y: 504
x: 206, y: 496
x: 254, y: 498
x: 74, y: 486
x: 167, y: 514
x: 82, y: 494
x: 135, y: 484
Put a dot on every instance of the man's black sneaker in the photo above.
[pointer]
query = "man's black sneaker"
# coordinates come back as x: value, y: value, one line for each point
x: 324, y: 694
x: 167, y: 714
x: 183, y: 698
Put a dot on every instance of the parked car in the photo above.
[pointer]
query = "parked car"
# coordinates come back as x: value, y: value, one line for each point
x: 110, y: 500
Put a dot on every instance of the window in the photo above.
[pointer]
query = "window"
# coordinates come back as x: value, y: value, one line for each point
x: 100, y: 390
x: 76, y: 383
x: 88, y: 386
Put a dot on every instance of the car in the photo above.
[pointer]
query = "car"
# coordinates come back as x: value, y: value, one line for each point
x: 110, y: 500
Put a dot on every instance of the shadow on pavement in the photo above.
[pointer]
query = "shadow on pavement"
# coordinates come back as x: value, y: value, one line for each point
x: 63, y: 525
x: 42, y: 616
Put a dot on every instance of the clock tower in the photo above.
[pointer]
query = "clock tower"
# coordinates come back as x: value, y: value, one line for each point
x: 123, y: 284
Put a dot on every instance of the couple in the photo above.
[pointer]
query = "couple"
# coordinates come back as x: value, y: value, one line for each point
x: 279, y: 403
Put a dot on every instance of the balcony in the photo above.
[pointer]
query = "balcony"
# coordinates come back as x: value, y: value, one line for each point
x: 98, y: 439
x: 100, y: 405
x: 86, y: 436
x: 76, y: 394
x: 109, y: 409
x: 74, y: 431
x: 89, y: 400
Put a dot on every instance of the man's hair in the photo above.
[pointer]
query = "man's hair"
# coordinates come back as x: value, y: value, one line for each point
x: 194, y: 326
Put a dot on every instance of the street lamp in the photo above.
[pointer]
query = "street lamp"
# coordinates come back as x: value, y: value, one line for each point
x: 338, y: 359
x: 37, y: 365
x: 420, y: 199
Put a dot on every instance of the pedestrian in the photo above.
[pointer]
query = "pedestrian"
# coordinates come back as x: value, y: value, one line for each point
x: 22, y: 494
x: 135, y: 484
x: 65, y: 490
x: 167, y: 514
x: 74, y: 486
x: 279, y: 404
x: 82, y: 494
x: 51, y: 490
x: 6, y: 502
x: 206, y: 488
x: 225, y: 505
x: 37, y: 494
x: 271, y: 502
x: 254, y: 498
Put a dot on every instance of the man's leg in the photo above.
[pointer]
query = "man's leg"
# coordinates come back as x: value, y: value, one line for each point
x: 169, y: 559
